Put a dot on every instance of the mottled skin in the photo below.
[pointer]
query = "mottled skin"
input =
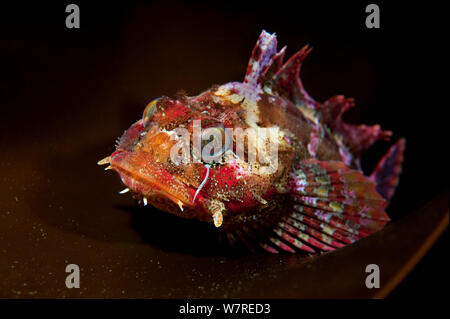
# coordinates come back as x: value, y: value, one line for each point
x: 236, y: 196
x: 230, y: 183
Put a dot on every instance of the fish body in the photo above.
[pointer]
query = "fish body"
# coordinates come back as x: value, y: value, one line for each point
x: 285, y: 175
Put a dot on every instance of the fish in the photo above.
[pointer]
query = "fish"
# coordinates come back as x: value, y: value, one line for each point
x: 205, y: 157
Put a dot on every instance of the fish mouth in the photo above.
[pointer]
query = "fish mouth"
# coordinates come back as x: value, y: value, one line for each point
x: 148, y: 179
x: 143, y: 173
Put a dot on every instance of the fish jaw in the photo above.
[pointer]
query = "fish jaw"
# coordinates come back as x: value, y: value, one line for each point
x: 143, y: 174
x: 151, y: 182
x: 140, y: 159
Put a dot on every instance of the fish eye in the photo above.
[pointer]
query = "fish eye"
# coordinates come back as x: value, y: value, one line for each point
x: 149, y: 111
x: 215, y: 140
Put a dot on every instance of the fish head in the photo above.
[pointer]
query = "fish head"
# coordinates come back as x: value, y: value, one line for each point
x: 202, y: 157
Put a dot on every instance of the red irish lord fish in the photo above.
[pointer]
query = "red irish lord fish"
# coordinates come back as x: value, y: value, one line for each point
x: 312, y: 196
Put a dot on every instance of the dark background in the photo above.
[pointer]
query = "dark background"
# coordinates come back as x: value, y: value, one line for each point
x: 67, y: 94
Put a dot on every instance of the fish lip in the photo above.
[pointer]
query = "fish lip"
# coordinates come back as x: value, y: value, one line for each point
x: 134, y: 184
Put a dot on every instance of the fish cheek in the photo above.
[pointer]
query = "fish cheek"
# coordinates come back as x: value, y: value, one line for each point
x: 327, y: 150
x: 158, y: 145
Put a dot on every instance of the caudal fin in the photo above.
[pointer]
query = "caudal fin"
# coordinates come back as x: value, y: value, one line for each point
x: 388, y: 169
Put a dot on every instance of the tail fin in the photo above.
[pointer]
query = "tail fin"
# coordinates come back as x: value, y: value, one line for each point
x: 388, y: 169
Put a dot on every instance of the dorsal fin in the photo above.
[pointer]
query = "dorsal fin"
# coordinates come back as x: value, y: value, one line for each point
x: 357, y: 137
x: 266, y: 71
x: 263, y: 55
x: 286, y: 81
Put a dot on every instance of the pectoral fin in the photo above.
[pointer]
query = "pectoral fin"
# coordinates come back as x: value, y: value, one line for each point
x: 332, y: 206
